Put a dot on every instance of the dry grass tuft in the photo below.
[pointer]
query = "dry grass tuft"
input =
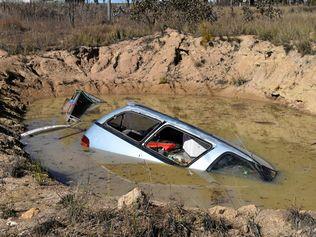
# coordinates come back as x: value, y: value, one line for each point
x: 300, y: 219
x: 296, y: 27
x: 27, y: 28
x: 145, y: 219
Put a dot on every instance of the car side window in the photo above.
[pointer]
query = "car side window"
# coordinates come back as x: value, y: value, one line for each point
x: 133, y: 125
x: 179, y: 147
x: 230, y: 163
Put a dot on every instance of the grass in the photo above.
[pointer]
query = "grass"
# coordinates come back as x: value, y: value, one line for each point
x: 300, y: 219
x: 144, y: 219
x: 23, y: 166
x: 254, y: 228
x: 28, y: 28
x: 47, y: 227
x: 218, y: 226
x: 294, y: 27
x: 39, y: 174
x: 75, y: 204
x: 205, y: 31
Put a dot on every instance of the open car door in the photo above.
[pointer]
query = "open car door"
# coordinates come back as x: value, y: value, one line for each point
x: 79, y: 103
x: 74, y: 108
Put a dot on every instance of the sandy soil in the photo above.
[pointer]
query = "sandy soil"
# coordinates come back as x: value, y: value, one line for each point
x: 170, y: 64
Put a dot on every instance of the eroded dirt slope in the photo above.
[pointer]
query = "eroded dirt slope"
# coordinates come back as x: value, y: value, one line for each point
x: 32, y: 204
x: 173, y: 63
x: 24, y: 186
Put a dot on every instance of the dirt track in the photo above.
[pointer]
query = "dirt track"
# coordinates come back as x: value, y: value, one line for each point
x: 169, y: 64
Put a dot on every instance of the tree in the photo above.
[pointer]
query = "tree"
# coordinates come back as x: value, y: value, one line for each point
x: 109, y: 10
x: 182, y: 11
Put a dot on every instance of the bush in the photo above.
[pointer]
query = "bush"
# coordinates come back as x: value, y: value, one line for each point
x: 179, y: 11
x: 9, y: 24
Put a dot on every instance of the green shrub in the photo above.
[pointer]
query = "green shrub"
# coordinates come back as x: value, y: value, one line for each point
x: 38, y: 173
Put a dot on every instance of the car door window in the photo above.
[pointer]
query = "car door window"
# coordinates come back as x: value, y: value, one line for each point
x: 232, y: 164
x: 133, y: 125
x: 179, y: 147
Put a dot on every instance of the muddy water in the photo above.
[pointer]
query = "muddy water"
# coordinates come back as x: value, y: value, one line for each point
x: 284, y: 137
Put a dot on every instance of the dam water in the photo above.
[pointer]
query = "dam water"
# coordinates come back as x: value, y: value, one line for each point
x: 284, y: 137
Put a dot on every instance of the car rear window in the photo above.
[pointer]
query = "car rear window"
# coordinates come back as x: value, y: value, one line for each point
x: 133, y: 125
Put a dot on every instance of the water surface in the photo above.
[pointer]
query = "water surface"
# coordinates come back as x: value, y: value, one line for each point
x: 284, y: 137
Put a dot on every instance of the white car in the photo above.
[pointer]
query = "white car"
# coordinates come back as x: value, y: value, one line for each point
x: 140, y: 132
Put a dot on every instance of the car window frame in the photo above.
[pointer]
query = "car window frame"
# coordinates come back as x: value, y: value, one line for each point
x: 221, y: 156
x: 134, y: 112
x: 165, y: 125
x: 137, y: 144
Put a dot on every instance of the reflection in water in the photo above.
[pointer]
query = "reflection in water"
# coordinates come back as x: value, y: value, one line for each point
x: 284, y: 137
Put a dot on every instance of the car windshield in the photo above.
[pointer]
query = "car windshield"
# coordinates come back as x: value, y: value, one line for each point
x: 133, y: 125
x: 234, y: 165
x: 180, y: 147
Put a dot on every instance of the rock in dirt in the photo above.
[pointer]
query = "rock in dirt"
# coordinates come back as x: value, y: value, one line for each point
x: 3, y: 53
x: 273, y: 223
x: 229, y: 214
x: 136, y: 196
x: 30, y: 213
x: 250, y: 211
x: 11, y: 223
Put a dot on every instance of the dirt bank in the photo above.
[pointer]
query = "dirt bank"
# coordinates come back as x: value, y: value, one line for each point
x: 172, y: 63
x: 23, y: 183
x: 33, y: 204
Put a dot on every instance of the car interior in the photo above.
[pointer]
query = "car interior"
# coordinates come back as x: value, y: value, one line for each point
x: 133, y: 125
x: 177, y: 146
x: 233, y: 165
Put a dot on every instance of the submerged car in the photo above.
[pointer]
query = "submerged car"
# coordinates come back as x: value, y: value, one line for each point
x: 140, y: 132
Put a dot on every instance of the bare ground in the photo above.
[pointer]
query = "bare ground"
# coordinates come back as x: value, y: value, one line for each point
x: 172, y: 63
x: 31, y: 203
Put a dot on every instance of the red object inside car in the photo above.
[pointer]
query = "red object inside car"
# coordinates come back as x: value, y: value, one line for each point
x: 85, y: 142
x: 164, y: 145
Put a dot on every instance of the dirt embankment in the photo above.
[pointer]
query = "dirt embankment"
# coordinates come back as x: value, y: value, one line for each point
x: 33, y: 204
x: 25, y: 188
x: 173, y: 63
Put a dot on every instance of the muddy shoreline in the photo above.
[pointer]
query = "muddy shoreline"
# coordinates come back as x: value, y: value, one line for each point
x: 25, y: 188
